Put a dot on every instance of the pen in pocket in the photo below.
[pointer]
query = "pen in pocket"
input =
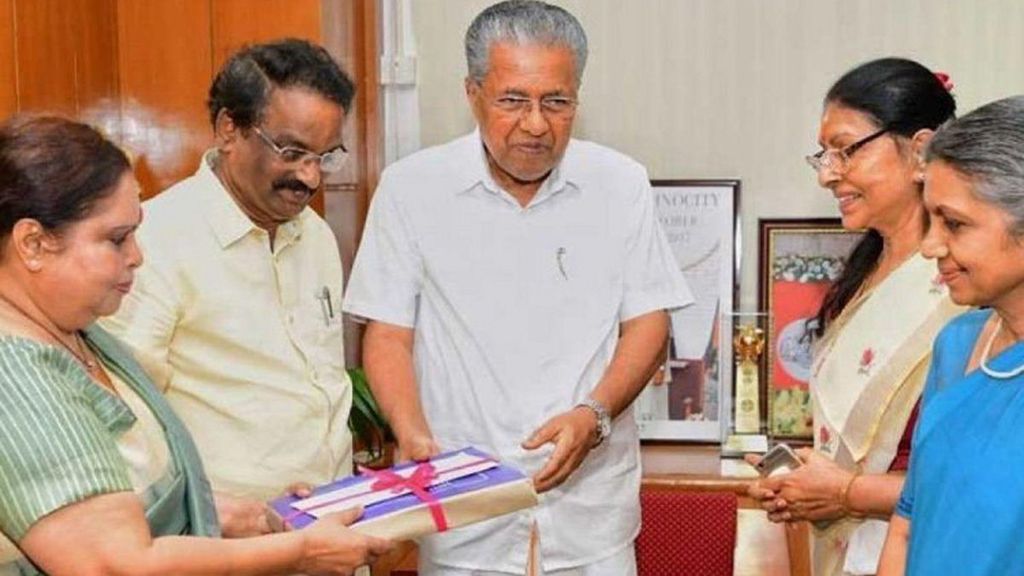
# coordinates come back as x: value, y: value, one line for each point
x: 326, y: 306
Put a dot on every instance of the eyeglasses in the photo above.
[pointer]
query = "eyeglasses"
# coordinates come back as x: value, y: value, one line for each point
x: 330, y: 161
x: 550, y: 106
x: 838, y: 160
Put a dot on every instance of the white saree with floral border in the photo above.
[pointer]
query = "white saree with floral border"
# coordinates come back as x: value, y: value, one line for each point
x: 868, y: 372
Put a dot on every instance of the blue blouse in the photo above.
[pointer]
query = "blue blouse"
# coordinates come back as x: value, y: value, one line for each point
x: 964, y: 493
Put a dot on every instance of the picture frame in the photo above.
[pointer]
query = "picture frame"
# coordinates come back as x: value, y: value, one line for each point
x: 799, y: 259
x: 689, y: 399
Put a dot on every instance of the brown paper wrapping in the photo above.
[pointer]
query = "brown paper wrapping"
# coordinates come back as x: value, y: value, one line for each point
x: 459, y: 510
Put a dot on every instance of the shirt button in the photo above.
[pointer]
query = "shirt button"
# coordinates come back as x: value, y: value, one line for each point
x: 291, y: 318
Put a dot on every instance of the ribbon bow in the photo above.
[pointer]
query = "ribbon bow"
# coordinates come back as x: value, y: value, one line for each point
x: 417, y: 483
x: 943, y: 79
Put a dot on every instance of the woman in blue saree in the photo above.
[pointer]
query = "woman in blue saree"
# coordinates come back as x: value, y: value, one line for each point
x: 962, y: 506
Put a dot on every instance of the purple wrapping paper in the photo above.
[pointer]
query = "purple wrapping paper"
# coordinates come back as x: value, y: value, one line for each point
x: 489, y: 478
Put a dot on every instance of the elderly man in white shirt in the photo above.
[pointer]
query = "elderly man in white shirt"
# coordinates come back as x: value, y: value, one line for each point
x: 516, y: 285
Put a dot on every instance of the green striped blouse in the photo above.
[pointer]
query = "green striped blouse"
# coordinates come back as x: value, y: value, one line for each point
x: 58, y: 435
x: 58, y: 442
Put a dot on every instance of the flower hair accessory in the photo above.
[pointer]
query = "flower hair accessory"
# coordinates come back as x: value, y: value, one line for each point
x: 943, y: 79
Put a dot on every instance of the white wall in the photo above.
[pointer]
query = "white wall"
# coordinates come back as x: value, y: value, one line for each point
x: 733, y: 88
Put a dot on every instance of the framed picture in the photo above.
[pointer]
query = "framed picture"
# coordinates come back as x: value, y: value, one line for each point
x: 799, y: 260
x: 689, y: 398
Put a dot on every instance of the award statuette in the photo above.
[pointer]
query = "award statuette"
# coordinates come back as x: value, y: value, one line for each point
x: 748, y: 344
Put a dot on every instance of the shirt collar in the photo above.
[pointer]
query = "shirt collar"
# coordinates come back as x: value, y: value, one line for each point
x: 472, y: 169
x: 226, y: 218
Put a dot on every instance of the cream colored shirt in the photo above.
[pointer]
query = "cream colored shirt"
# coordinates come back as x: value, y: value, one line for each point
x: 245, y: 341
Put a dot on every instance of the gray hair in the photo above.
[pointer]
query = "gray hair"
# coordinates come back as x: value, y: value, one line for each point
x: 523, y: 22
x: 987, y: 147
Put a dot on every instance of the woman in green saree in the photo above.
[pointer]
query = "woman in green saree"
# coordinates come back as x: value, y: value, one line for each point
x: 97, y: 475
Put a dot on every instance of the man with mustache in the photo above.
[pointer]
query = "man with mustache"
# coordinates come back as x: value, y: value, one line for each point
x: 516, y: 285
x: 238, y: 305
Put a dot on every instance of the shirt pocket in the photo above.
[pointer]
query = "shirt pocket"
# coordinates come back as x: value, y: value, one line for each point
x: 589, y: 279
x: 322, y: 328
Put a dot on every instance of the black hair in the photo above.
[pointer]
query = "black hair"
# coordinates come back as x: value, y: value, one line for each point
x: 54, y: 170
x: 901, y: 96
x: 243, y: 85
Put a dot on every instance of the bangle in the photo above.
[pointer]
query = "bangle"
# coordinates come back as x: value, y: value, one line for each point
x: 844, y: 497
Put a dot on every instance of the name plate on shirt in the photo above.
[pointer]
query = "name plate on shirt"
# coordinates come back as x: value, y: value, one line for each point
x: 411, y: 499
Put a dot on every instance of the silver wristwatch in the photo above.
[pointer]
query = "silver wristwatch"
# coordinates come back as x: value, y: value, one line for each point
x: 604, y: 419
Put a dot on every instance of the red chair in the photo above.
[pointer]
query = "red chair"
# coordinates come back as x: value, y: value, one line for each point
x: 686, y: 533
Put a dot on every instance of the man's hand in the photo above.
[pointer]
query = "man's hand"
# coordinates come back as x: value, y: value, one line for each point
x: 573, y: 434
x: 300, y: 489
x: 244, y: 518
x: 241, y: 517
x: 418, y: 448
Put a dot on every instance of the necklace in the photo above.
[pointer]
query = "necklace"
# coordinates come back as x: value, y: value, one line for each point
x: 983, y: 363
x: 89, y: 363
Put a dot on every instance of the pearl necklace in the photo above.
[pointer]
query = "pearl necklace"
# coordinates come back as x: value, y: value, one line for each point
x: 983, y: 363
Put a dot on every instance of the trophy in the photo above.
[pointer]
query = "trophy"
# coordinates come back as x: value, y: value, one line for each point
x: 748, y: 345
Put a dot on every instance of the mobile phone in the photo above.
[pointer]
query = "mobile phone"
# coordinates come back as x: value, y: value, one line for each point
x: 779, y: 460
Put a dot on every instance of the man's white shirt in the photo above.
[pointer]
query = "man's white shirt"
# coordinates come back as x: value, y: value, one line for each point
x: 516, y: 314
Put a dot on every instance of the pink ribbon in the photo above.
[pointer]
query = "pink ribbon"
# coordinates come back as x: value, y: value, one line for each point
x: 417, y: 483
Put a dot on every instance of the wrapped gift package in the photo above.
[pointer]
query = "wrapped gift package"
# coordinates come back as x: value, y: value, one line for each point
x: 415, y: 498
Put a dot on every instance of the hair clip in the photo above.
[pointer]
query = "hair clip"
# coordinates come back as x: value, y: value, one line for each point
x: 943, y: 79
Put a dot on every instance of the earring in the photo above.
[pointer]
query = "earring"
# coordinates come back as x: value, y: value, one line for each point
x: 919, y: 177
x: 34, y: 265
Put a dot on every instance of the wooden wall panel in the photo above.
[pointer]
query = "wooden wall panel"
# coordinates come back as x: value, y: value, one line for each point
x: 45, y: 56
x: 95, y: 53
x: 8, y: 71
x: 240, y: 22
x: 370, y: 125
x: 165, y: 73
x: 66, y: 58
x: 141, y: 70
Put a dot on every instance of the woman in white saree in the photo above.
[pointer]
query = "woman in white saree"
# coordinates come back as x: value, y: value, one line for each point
x: 874, y: 332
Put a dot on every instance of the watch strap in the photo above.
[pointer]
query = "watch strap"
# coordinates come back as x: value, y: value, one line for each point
x: 604, y: 420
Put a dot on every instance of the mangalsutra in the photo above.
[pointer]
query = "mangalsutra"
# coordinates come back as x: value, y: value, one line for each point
x: 90, y: 364
x: 983, y: 363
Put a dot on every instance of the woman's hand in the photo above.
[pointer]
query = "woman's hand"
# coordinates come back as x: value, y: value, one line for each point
x: 330, y: 548
x: 894, y: 554
x: 108, y: 534
x: 811, y: 492
x: 766, y: 498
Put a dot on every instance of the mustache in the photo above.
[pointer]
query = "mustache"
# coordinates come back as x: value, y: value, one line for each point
x: 293, y: 184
